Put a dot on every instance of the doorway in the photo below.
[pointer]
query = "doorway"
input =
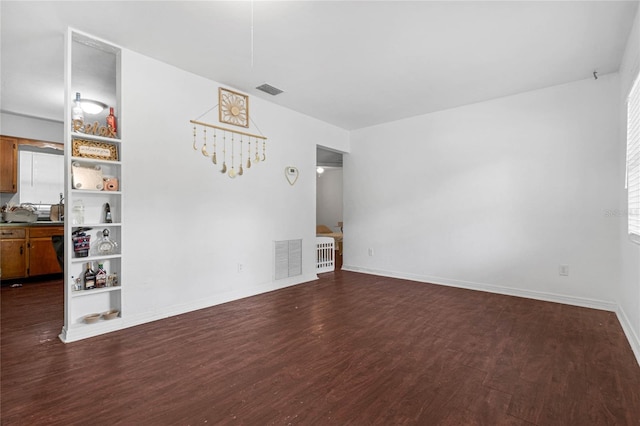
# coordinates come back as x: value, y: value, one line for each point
x: 329, y: 205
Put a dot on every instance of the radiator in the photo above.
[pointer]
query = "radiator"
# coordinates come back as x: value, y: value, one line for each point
x: 325, y: 254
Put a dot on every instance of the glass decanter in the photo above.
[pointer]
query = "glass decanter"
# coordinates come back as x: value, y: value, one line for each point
x: 105, y: 245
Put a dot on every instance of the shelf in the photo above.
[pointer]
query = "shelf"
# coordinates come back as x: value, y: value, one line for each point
x: 90, y: 191
x: 80, y: 326
x: 95, y: 161
x: 95, y: 258
x: 79, y: 150
x: 82, y: 293
x: 78, y: 135
x: 113, y: 322
x: 96, y: 225
x: 100, y: 321
x: 79, y: 330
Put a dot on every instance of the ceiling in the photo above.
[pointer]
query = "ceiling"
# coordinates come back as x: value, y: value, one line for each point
x: 351, y: 64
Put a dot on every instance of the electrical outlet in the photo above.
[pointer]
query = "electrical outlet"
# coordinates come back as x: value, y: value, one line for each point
x: 240, y: 267
x: 564, y: 270
x: 370, y: 252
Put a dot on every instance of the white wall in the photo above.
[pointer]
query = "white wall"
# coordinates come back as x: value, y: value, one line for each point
x: 329, y: 198
x: 31, y: 127
x: 187, y: 226
x: 494, y: 195
x: 629, y: 295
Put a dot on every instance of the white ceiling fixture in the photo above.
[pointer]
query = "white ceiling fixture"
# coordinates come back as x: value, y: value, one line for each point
x: 352, y: 64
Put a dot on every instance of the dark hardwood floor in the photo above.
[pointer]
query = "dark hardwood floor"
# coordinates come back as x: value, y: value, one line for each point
x: 349, y: 349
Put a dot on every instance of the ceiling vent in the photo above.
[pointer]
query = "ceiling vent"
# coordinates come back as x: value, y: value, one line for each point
x: 267, y: 88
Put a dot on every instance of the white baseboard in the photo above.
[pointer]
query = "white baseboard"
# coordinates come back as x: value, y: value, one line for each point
x: 145, y: 317
x: 632, y: 337
x: 86, y: 331
x: 218, y: 299
x: 490, y: 288
x: 83, y: 331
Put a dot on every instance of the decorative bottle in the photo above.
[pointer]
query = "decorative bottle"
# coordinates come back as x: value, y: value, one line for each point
x: 101, y: 276
x: 105, y: 245
x: 107, y: 213
x: 77, y: 115
x: 111, y: 121
x: 89, y: 278
x: 112, y: 280
x: 77, y: 212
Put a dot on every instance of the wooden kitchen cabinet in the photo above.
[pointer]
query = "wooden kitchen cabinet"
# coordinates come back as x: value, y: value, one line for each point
x: 42, y: 256
x: 8, y: 164
x: 9, y: 159
x: 28, y: 251
x: 13, y: 253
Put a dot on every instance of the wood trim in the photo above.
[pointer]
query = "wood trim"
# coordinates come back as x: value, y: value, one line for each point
x: 45, y: 231
x: 41, y: 144
x: 9, y: 164
x: 37, y: 143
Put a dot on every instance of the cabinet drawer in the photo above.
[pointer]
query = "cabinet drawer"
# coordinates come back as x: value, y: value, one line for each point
x: 48, y: 231
x: 12, y: 233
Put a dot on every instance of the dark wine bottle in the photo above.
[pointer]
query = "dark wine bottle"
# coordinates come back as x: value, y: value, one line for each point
x: 89, y: 278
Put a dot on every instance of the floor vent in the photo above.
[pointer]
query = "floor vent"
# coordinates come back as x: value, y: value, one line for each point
x: 267, y: 88
x: 288, y: 258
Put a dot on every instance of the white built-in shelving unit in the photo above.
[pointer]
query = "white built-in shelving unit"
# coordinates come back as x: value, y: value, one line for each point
x: 82, y: 53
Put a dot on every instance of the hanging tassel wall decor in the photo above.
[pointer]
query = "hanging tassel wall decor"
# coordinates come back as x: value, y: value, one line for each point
x: 231, y: 101
x: 195, y: 147
x: 204, y: 144
x: 234, y: 146
x: 224, y: 154
x: 214, y: 160
x: 240, y: 171
x: 249, y: 155
x: 232, y: 172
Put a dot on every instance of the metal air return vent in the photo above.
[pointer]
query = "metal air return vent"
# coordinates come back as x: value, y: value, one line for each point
x: 267, y: 88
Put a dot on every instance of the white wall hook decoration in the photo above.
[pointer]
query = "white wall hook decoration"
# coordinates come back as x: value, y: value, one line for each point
x: 292, y: 174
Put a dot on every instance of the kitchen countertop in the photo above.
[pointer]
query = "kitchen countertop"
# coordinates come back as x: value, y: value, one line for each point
x: 31, y: 224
